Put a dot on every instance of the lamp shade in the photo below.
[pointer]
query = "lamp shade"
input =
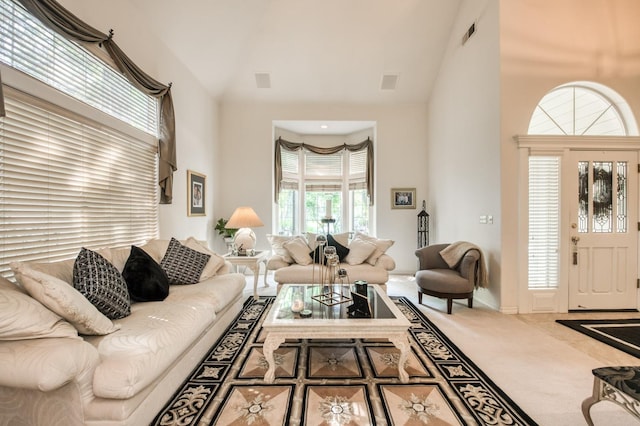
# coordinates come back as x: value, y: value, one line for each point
x: 244, y: 217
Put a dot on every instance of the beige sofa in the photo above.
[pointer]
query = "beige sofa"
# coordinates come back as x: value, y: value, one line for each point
x: 297, y: 259
x: 50, y: 374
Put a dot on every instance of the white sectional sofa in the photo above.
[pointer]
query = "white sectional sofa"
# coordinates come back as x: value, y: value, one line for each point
x: 52, y: 375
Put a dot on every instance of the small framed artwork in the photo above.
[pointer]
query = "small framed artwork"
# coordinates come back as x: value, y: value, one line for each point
x: 195, y: 193
x: 403, y: 198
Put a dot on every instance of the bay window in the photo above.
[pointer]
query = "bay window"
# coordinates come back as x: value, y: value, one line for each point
x: 313, y: 182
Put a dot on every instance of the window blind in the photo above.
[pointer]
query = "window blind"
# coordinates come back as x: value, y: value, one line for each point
x: 323, y: 165
x: 28, y: 46
x: 358, y: 163
x: 67, y: 182
x: 289, y: 162
x: 323, y: 187
x: 544, y: 221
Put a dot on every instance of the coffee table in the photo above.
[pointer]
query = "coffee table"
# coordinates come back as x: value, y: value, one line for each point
x: 332, y: 321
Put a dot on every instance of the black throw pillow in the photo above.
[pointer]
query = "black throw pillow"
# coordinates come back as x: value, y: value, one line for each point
x: 341, y: 250
x: 145, y: 279
x: 317, y: 256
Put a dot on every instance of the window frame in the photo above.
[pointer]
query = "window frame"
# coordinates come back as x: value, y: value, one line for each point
x: 344, y: 181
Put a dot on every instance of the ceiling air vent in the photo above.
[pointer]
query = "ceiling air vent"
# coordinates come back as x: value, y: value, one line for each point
x: 263, y: 80
x: 389, y: 81
x: 467, y: 35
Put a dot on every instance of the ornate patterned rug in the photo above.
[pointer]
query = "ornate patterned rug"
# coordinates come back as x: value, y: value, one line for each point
x: 332, y: 383
x: 622, y: 334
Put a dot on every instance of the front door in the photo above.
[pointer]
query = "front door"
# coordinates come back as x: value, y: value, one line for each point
x: 603, y: 208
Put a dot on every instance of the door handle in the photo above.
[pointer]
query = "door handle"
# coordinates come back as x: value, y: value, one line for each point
x: 574, y: 250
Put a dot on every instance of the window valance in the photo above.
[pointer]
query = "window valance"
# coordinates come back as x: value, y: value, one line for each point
x: 60, y: 20
x: 293, y: 146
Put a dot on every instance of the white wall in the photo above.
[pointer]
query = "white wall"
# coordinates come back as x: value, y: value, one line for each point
x: 246, y: 169
x: 464, y: 133
x: 196, y: 112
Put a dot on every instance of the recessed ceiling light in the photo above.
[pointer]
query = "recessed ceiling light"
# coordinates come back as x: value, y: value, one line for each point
x: 324, y: 126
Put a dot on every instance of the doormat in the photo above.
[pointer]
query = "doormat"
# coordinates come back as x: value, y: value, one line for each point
x: 622, y: 334
x: 338, y: 382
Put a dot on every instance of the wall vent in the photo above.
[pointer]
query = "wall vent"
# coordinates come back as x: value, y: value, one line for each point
x: 467, y: 35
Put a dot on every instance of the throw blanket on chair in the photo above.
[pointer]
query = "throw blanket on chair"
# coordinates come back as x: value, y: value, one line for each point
x: 453, y: 254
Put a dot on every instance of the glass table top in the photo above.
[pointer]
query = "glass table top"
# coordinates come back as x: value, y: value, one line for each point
x: 331, y: 302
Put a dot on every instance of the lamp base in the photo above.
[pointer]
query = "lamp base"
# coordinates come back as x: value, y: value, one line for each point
x: 245, y: 241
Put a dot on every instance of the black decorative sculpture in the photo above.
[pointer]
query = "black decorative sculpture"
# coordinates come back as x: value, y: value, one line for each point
x: 423, y: 226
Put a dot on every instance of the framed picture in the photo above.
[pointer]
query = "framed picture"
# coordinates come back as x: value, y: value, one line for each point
x: 195, y: 193
x: 403, y: 198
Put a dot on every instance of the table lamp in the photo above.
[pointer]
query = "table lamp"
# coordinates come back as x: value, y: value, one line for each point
x: 243, y: 219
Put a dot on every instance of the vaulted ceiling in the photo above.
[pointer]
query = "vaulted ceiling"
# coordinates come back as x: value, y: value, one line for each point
x: 337, y: 51
x: 310, y: 50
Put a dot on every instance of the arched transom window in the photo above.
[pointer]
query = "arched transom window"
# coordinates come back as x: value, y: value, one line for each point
x: 577, y: 110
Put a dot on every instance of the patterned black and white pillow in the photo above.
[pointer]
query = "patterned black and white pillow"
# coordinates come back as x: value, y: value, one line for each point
x: 102, y: 284
x: 182, y: 264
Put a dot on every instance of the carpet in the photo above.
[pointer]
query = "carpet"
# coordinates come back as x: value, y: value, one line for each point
x: 342, y: 382
x: 622, y: 334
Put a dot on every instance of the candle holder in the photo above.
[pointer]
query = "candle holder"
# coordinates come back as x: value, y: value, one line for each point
x: 328, y: 223
x: 331, y: 257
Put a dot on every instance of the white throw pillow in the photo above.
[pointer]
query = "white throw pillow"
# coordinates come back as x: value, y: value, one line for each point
x: 311, y: 240
x: 64, y: 300
x: 299, y: 251
x: 342, y: 238
x: 23, y: 317
x: 215, y: 261
x: 156, y: 248
x: 359, y: 251
x: 381, y: 246
x: 277, y: 246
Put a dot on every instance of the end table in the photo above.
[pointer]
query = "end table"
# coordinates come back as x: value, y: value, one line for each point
x: 253, y: 262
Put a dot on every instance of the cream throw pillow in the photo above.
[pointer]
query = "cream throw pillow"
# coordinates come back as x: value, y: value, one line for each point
x: 215, y: 261
x: 342, y: 238
x: 359, y: 251
x: 381, y: 246
x: 311, y: 240
x: 64, y: 300
x: 299, y: 251
x: 23, y: 317
x: 277, y: 246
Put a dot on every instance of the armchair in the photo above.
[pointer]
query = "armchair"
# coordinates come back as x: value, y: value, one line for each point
x: 436, y: 278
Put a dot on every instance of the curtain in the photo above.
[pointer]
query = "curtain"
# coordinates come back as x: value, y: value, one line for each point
x: 293, y: 146
x: 56, y: 17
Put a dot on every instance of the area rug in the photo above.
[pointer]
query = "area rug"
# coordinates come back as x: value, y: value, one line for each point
x: 343, y: 382
x: 623, y: 334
